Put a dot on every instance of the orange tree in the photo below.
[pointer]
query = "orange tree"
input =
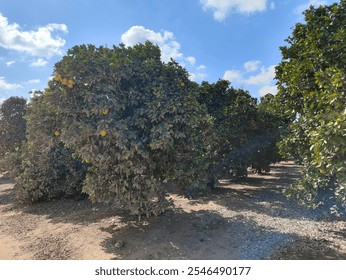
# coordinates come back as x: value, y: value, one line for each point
x: 133, y: 120
x: 233, y: 113
x: 12, y: 131
x: 312, y: 85
x: 244, y: 133
x: 46, y: 169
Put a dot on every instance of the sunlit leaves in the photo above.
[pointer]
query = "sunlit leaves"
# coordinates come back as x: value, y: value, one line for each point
x: 312, y: 85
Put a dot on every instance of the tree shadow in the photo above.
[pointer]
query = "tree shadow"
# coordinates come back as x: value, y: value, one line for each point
x: 264, y: 194
x: 199, y: 234
x: 65, y: 210
x: 81, y: 212
x: 207, y: 235
x: 304, y: 248
x: 6, y: 192
x: 196, y: 235
x: 5, y: 180
x: 6, y: 197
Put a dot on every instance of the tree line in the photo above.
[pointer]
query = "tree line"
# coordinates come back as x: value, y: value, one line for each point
x: 121, y: 126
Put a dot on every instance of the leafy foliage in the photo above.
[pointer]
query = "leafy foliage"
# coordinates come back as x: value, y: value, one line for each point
x: 45, y: 168
x: 12, y: 131
x: 312, y: 86
x: 133, y: 120
x: 245, y: 133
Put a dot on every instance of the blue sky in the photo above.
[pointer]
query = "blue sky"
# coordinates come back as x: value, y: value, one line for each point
x: 237, y: 40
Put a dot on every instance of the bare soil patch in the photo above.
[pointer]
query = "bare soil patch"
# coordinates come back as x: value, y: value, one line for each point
x: 250, y: 219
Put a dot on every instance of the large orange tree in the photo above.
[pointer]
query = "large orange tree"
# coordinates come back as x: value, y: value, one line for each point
x: 131, y: 119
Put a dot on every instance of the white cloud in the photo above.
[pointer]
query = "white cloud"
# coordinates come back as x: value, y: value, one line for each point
x: 222, y: 8
x: 252, y: 65
x: 301, y: 8
x: 169, y: 47
x: 7, y: 86
x: 260, y: 80
x: 165, y: 40
x: 191, y: 60
x: 268, y: 89
x: 38, y: 62
x: 197, y: 76
x: 9, y: 63
x: 265, y: 77
x: 41, y: 42
x: 34, y: 81
x: 233, y: 76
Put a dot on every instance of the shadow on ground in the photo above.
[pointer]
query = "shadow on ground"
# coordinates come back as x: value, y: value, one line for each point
x: 263, y: 193
x: 196, y: 235
x: 202, y: 234
x: 304, y: 248
x: 207, y: 235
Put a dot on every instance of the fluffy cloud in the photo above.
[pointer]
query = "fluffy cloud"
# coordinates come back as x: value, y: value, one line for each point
x: 38, y: 62
x: 265, y: 76
x: 221, y: 8
x: 301, y: 8
x: 41, y: 42
x: 165, y: 40
x: 252, y: 65
x: 7, y: 86
x: 268, y: 89
x: 191, y: 60
x: 169, y: 47
x: 234, y: 76
x: 260, y: 79
x: 197, y: 76
x: 201, y: 67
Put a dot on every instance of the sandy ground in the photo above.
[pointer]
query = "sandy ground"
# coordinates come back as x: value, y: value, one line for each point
x: 250, y: 219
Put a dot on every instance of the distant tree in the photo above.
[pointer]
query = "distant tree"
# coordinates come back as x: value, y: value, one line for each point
x: 271, y: 125
x: 312, y: 85
x: 12, y: 130
x: 245, y: 134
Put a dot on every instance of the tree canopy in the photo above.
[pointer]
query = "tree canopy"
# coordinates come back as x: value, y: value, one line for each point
x: 12, y: 124
x: 12, y: 130
x: 312, y: 85
x: 133, y: 121
x: 244, y: 132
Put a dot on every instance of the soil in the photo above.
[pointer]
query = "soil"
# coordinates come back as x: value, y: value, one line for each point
x: 249, y: 219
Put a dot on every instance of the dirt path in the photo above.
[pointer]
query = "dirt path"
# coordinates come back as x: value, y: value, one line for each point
x: 247, y: 220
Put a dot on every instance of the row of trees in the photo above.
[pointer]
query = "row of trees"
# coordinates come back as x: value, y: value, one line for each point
x: 120, y: 125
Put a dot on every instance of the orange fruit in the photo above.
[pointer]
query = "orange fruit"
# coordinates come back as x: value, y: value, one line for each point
x: 70, y: 83
x: 105, y: 111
